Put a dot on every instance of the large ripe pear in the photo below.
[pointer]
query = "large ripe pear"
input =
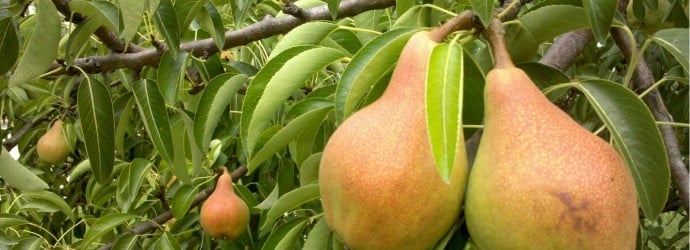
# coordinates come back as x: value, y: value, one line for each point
x: 379, y: 185
x: 540, y: 180
x: 52, y: 147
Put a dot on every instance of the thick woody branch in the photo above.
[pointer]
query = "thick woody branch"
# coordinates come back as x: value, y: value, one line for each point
x: 566, y: 49
x: 155, y: 223
x: 266, y: 28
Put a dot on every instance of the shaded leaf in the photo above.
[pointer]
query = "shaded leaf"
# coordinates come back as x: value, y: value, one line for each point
x: 171, y: 71
x: 51, y: 199
x: 98, y: 126
x: 18, y: 175
x: 42, y: 46
x: 182, y: 201
x: 212, y: 22
x: 318, y: 236
x: 600, y: 15
x: 103, y: 225
x: 484, y: 9
x: 9, y: 44
x: 166, y: 21
x: 675, y: 41
x: 155, y: 117
x: 132, y: 13
x: 550, y: 21
x: 129, y: 182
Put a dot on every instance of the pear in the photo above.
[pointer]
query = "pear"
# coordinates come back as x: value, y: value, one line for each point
x: 224, y: 215
x: 52, y: 147
x: 540, y: 180
x: 378, y: 181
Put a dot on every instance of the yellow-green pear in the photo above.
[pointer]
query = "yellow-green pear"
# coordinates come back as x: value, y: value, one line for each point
x: 379, y: 184
x: 52, y: 147
x: 540, y: 180
x: 224, y: 215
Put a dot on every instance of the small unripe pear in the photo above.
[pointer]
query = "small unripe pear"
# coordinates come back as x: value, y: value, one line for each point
x: 52, y: 147
x: 224, y: 215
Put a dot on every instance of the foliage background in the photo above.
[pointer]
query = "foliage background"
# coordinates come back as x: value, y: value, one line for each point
x: 158, y: 94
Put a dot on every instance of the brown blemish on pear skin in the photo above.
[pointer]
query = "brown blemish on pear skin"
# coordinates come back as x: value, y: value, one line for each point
x: 575, y: 212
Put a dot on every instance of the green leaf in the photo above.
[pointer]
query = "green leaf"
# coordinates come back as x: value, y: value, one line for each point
x: 103, y: 225
x: 166, y: 21
x: 79, y: 38
x: 11, y: 220
x: 401, y: 6
x: 444, y: 84
x: 283, y: 231
x: 308, y: 121
x: 212, y: 22
x: 182, y: 201
x: 290, y: 239
x: 309, y: 170
x: 155, y: 116
x: 550, y: 21
x: 98, y: 126
x: 180, y: 148
x: 415, y: 17
x: 124, y: 124
x: 51, y: 199
x: 192, y: 147
x: 239, y: 10
x: 289, y: 201
x: 171, y: 71
x: 333, y: 7
x: 214, y: 100
x: 42, y: 46
x: 600, y: 15
x: 520, y: 42
x: 484, y: 9
x: 18, y: 175
x: 9, y: 44
x: 92, y: 12
x: 127, y: 241
x: 288, y: 78
x: 186, y: 11
x: 636, y: 137
x: 370, y: 63
x: 167, y: 242
x: 318, y: 236
x: 132, y: 13
x: 129, y: 182
x: 675, y: 41
x: 312, y: 33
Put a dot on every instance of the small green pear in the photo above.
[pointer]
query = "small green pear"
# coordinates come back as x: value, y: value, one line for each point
x: 224, y: 215
x: 52, y: 147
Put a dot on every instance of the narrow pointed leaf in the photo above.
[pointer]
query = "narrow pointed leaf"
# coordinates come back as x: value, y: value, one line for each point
x: 98, y: 126
x: 560, y: 19
x: 166, y: 21
x: 182, y: 201
x: 155, y: 116
x: 132, y: 14
x: 600, y: 14
x: 9, y: 44
x: 637, y: 138
x: 171, y: 71
x: 333, y: 7
x: 675, y: 41
x: 129, y: 182
x: 212, y: 22
x: 292, y: 75
x: 18, y: 175
x: 369, y: 64
x: 312, y: 33
x: 214, y: 100
x: 78, y: 39
x: 103, y: 225
x: 42, y: 46
x: 308, y: 121
x: 289, y: 201
x: 444, y: 106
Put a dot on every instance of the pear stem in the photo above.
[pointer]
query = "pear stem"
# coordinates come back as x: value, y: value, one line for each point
x: 464, y: 21
x: 495, y: 34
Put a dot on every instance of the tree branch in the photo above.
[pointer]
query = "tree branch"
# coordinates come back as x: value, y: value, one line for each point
x: 266, y: 28
x: 28, y: 125
x: 155, y: 223
x: 566, y: 49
